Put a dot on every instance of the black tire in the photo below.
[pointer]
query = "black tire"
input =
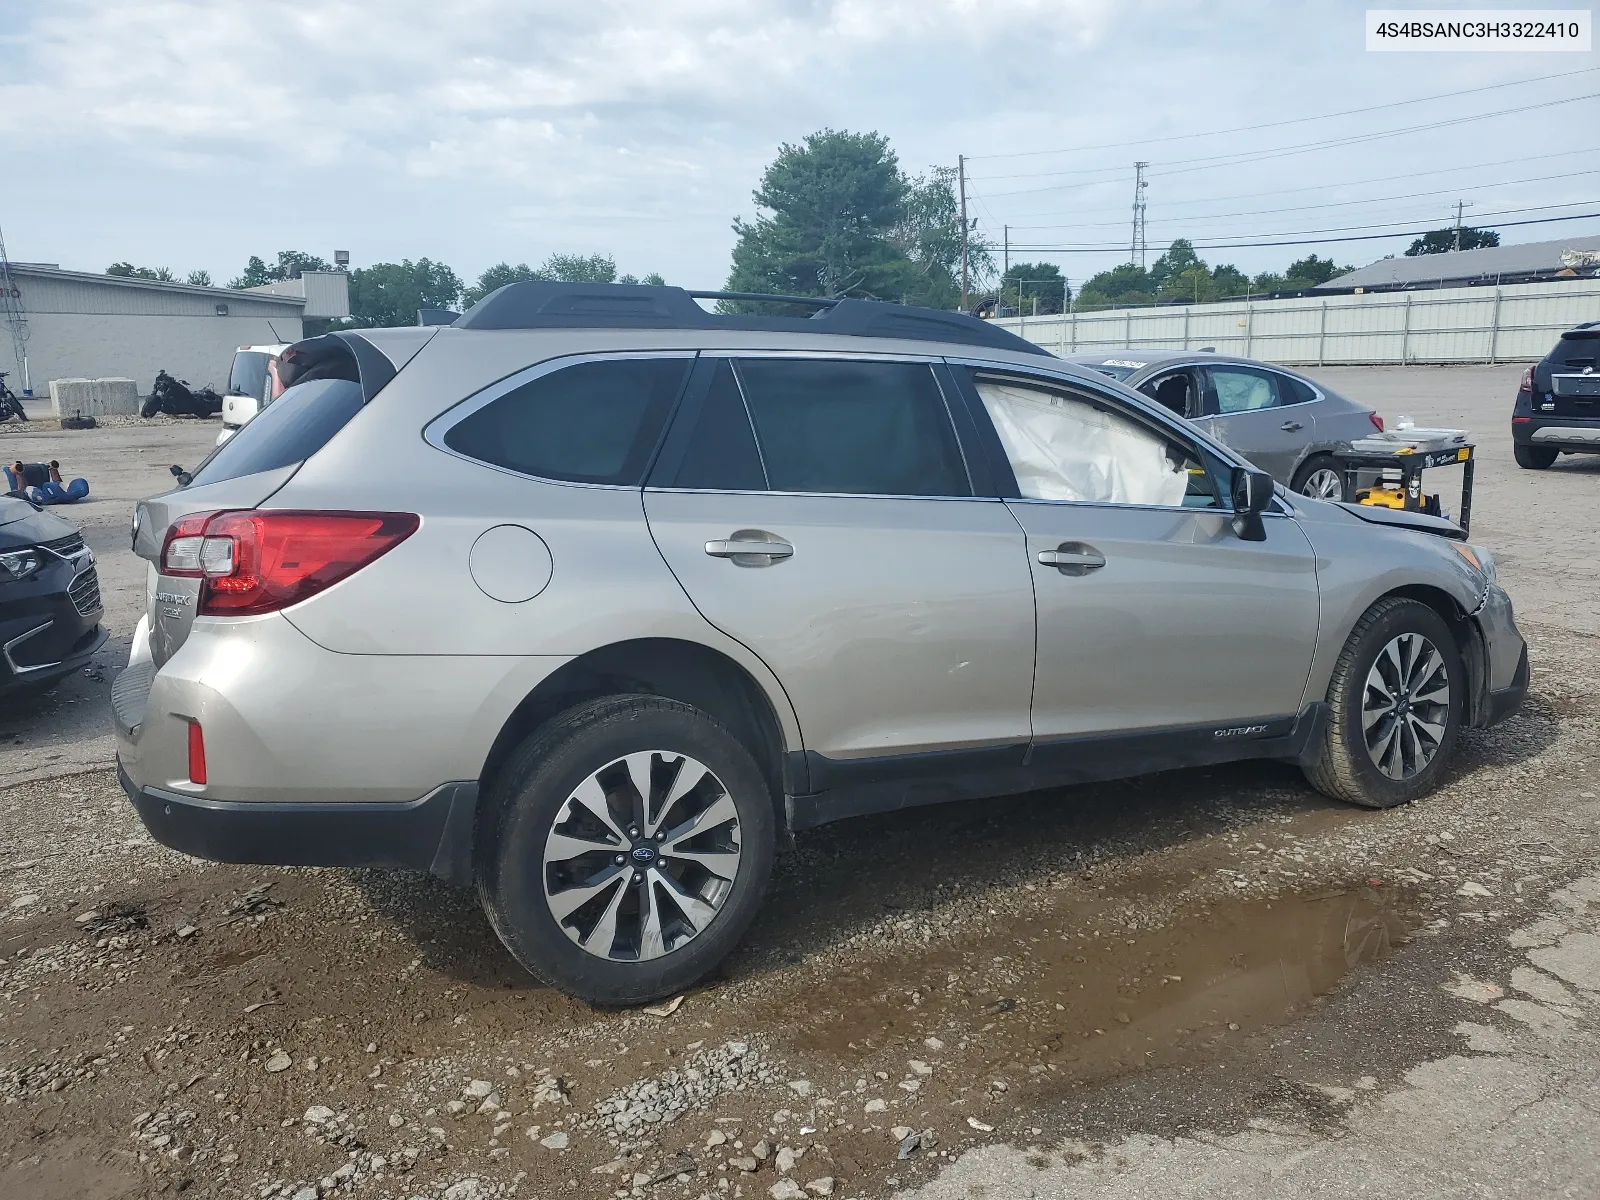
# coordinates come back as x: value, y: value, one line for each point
x: 1309, y: 468
x: 526, y: 800
x: 150, y: 407
x: 1534, y: 458
x: 1344, y: 767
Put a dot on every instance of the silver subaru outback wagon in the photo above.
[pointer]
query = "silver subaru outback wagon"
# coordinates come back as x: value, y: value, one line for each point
x: 594, y: 598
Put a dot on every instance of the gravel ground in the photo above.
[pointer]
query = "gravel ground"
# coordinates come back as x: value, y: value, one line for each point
x: 1075, y: 990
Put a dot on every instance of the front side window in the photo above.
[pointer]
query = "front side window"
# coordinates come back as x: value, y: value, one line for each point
x: 1174, y: 391
x: 1063, y: 446
x: 857, y: 428
x: 1244, y: 389
x: 594, y: 422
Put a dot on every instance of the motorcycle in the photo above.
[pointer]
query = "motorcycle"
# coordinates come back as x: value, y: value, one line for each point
x: 174, y: 397
x: 10, y: 403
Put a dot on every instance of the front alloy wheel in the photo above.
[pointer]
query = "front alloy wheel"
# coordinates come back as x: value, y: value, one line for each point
x: 1406, y: 706
x: 643, y: 856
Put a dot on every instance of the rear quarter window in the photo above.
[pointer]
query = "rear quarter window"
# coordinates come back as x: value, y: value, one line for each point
x: 594, y: 422
x: 290, y: 430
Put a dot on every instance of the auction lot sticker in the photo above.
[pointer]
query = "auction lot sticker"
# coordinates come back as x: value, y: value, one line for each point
x: 1511, y: 30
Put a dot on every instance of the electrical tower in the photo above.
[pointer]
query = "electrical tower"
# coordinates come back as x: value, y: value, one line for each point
x: 16, y: 321
x: 1137, y: 252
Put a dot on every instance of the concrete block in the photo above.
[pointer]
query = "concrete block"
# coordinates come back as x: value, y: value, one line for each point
x: 94, y: 397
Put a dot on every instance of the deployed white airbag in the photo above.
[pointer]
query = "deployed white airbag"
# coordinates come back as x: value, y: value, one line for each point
x: 1062, y: 448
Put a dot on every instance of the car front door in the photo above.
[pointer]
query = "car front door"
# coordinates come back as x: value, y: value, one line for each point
x: 820, y: 511
x: 1251, y: 410
x: 1153, y: 614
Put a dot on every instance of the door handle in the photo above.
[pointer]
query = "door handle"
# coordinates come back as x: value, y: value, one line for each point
x: 751, y: 548
x: 1073, y: 558
x: 1291, y: 427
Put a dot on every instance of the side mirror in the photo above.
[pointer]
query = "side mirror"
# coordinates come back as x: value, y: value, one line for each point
x: 1252, y: 493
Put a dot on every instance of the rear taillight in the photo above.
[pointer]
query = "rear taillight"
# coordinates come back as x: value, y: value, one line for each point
x: 261, y: 561
x: 197, y: 753
x: 1527, y: 381
x: 1377, y: 421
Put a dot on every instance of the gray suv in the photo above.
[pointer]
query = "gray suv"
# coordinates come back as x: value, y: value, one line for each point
x: 594, y: 598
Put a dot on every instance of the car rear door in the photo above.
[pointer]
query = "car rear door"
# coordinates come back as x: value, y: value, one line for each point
x: 1252, y: 410
x: 1153, y: 615
x: 820, y: 511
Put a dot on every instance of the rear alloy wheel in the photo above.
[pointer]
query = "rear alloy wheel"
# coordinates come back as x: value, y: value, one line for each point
x: 1320, y: 478
x: 1394, y: 707
x: 1534, y: 458
x: 625, y: 848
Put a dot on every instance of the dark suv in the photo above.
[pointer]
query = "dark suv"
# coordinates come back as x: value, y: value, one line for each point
x: 1558, y: 403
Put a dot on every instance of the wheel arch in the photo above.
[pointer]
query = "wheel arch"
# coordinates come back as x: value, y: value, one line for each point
x: 1469, y: 642
x: 673, y: 668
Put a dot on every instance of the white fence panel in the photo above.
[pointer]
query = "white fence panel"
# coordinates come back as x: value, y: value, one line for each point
x: 1514, y: 323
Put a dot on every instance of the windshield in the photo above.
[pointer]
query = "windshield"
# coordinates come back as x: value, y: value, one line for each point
x: 296, y: 426
x: 249, y: 374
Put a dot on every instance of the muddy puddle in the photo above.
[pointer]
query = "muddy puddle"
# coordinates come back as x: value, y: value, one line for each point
x: 1081, y: 996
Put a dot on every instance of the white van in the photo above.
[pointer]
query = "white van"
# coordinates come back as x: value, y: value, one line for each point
x: 250, y: 387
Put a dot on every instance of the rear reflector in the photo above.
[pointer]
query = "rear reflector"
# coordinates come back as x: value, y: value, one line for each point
x: 1521, y: 420
x: 197, y: 753
x: 262, y: 560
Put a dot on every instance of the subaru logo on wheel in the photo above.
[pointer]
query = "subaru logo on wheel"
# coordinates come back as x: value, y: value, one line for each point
x: 643, y: 854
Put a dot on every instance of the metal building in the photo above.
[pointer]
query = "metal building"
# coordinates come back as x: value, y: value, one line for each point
x: 83, y: 325
x: 1525, y: 262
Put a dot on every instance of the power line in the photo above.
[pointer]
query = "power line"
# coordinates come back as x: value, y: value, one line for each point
x: 1204, y: 244
x: 1322, y: 187
x: 1349, y: 112
x: 1264, y: 212
x: 1184, y: 166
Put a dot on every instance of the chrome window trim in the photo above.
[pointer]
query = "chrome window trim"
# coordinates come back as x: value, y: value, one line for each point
x: 435, y: 430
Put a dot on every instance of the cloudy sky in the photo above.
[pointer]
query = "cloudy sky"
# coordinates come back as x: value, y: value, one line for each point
x: 192, y: 134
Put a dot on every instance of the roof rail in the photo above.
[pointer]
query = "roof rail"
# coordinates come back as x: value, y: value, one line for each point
x: 540, y: 305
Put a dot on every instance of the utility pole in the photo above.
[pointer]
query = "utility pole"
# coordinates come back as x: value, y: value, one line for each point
x: 1006, y: 253
x: 1459, y: 206
x: 16, y: 321
x: 1137, y: 250
x: 961, y: 173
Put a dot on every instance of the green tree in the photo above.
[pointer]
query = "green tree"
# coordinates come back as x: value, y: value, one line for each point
x: 1034, y: 288
x: 1179, y: 258
x: 391, y: 293
x: 1227, y: 280
x: 560, y: 268
x: 928, y: 235
x: 200, y: 278
x: 830, y: 205
x: 1125, y: 286
x: 1442, y: 241
x: 653, y: 279
x: 291, y: 264
x: 497, y: 277
x: 1310, y: 271
x: 1269, y: 281
x: 128, y: 271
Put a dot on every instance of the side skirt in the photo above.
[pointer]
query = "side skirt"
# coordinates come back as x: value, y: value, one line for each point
x: 857, y: 787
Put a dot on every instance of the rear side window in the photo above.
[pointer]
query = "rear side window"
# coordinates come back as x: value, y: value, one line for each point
x: 290, y: 430
x: 594, y: 422
x: 722, y: 454
x: 1299, y: 391
x: 857, y: 428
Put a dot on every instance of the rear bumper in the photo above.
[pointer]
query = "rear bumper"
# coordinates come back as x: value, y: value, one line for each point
x: 1558, y: 432
x: 433, y: 834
